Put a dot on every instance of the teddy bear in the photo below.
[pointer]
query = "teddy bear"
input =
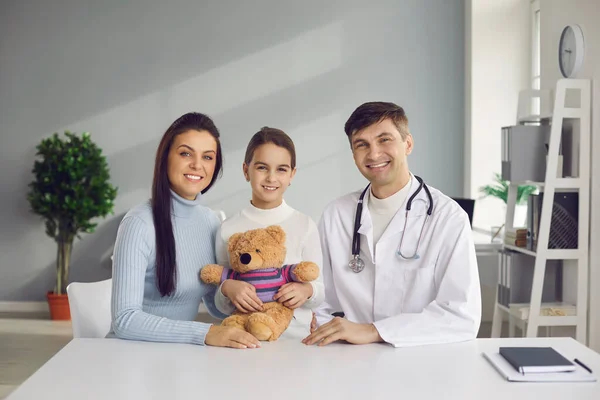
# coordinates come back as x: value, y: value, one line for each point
x: 256, y: 256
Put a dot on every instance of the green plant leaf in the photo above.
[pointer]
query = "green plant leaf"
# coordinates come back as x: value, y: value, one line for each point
x: 499, y: 189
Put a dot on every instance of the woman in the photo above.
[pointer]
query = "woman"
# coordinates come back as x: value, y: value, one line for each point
x: 269, y: 166
x: 162, y: 244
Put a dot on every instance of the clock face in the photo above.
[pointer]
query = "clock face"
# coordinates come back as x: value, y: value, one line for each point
x: 570, y: 51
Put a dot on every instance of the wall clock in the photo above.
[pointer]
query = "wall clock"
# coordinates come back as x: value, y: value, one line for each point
x: 570, y: 50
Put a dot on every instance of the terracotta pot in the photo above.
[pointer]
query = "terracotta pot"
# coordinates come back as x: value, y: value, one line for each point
x: 59, y: 307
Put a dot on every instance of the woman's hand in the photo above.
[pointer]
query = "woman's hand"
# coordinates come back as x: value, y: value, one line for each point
x: 228, y: 336
x: 294, y: 294
x: 242, y: 295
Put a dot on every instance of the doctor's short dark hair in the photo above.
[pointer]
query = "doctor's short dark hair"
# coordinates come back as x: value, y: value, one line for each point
x: 373, y: 112
x: 270, y: 135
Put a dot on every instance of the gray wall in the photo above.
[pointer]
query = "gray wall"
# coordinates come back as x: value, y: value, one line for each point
x: 124, y: 72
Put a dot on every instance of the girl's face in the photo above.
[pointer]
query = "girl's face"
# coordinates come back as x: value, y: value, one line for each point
x: 191, y: 163
x: 269, y: 173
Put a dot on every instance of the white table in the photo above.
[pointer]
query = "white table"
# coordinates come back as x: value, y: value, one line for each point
x: 117, y: 369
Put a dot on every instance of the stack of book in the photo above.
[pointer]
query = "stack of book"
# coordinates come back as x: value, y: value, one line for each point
x: 516, y: 237
x: 538, y: 364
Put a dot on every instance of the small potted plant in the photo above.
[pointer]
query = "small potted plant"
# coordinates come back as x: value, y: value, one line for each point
x: 70, y: 188
x: 499, y: 189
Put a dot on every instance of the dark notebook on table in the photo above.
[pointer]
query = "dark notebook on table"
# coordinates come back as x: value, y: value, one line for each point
x: 536, y: 359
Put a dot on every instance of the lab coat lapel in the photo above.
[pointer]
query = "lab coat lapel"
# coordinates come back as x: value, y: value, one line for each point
x: 366, y: 227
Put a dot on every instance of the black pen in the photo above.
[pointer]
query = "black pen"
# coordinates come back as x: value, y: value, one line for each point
x: 583, y: 365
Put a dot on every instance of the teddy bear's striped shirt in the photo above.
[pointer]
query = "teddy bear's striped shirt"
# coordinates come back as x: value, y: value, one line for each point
x: 266, y: 281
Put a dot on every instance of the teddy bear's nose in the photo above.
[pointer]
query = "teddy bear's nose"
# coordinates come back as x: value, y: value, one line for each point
x: 245, y: 258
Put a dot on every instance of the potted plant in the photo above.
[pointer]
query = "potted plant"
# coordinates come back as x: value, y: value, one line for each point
x: 70, y: 188
x: 499, y: 189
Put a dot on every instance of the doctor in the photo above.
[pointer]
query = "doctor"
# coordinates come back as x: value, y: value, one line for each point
x: 405, y: 271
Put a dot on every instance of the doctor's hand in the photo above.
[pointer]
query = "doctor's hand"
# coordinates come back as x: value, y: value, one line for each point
x: 294, y: 294
x: 242, y: 295
x: 342, y: 329
x: 313, y: 323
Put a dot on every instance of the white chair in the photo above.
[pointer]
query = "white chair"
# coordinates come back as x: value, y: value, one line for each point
x: 90, y: 308
x: 220, y: 214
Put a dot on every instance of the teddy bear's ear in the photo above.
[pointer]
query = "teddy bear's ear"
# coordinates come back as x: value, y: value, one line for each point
x: 233, y: 239
x: 277, y: 232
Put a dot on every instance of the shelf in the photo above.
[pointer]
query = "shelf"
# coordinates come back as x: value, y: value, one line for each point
x: 572, y: 113
x: 551, y: 254
x: 520, y: 250
x: 534, y: 118
x: 561, y: 315
x: 560, y: 183
x: 566, y: 320
x: 543, y: 320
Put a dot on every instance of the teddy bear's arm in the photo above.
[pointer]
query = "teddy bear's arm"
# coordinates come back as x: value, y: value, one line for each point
x: 212, y: 274
x: 305, y: 271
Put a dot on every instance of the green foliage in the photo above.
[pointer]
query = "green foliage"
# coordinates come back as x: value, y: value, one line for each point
x: 500, y: 190
x: 71, y: 187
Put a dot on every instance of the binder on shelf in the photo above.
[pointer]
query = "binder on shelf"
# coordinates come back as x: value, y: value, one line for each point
x: 563, y: 224
x: 516, y: 278
x: 524, y: 150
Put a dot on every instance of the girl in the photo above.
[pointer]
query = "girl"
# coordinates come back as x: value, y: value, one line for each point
x: 269, y: 166
x: 162, y: 244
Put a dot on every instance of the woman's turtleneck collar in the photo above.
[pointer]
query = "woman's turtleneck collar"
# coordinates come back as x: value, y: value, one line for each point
x: 269, y: 216
x: 182, y: 207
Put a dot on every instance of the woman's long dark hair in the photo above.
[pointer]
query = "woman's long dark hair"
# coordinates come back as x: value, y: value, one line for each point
x: 161, y: 196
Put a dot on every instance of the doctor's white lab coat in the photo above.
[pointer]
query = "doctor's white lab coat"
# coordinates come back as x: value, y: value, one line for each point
x: 433, y: 299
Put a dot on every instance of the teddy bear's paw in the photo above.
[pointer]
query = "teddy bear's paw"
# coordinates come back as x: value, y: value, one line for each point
x: 261, y: 326
x: 237, y: 321
x: 306, y: 271
x: 211, y: 274
x: 261, y: 331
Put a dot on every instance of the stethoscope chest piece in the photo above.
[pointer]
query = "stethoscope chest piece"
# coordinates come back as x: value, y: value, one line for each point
x: 356, y: 264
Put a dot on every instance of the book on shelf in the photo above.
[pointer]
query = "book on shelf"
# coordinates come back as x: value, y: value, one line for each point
x: 517, y: 237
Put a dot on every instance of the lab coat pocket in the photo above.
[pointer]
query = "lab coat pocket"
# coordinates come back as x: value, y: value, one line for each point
x: 419, y: 285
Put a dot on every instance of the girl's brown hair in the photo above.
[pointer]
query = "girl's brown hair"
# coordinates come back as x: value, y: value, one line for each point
x: 270, y: 135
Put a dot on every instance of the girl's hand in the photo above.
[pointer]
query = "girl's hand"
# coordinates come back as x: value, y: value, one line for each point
x: 294, y: 294
x: 242, y: 295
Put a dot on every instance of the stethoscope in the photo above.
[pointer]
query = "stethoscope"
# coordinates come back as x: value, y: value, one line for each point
x: 357, y: 264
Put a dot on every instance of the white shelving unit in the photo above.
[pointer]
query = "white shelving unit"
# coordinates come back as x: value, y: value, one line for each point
x: 578, y: 258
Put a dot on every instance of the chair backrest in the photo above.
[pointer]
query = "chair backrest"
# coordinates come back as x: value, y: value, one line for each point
x: 90, y: 308
x: 220, y: 214
x: 468, y: 205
